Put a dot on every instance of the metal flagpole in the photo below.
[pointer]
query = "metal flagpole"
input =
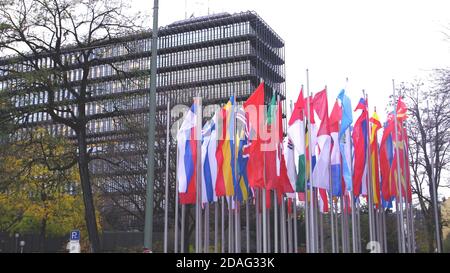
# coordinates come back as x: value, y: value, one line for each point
x: 216, y: 226
x: 257, y: 216
x: 330, y: 191
x: 322, y: 250
x: 289, y: 233
x: 166, y: 199
x: 264, y: 214
x: 282, y: 228
x: 206, y: 228
x: 336, y: 223
x: 399, y: 185
x: 176, y: 243
x: 198, y: 203
x: 275, y: 223
x: 230, y: 225
x: 236, y: 227
x: 311, y: 212
x: 435, y: 193
x: 343, y: 221
x: 372, y: 235
x: 358, y: 226
x: 316, y: 218
x: 183, y: 220
x: 222, y: 241
x: 295, y: 223
x: 247, y: 221
x: 295, y: 204
x: 353, y: 207
x: 269, y: 237
x: 148, y: 226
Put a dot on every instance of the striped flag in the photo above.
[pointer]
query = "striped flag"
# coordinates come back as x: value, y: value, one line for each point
x: 209, y: 162
x: 225, y: 154
x: 187, y: 157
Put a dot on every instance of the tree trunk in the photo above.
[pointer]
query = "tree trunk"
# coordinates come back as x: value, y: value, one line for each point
x: 42, y: 234
x: 89, y: 208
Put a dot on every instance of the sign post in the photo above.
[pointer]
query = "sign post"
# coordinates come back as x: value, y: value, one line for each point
x: 74, y: 244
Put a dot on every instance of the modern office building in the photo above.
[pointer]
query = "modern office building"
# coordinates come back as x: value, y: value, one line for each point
x: 214, y: 57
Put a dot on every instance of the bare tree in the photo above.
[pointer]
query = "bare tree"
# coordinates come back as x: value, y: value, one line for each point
x: 429, y: 127
x: 66, y: 33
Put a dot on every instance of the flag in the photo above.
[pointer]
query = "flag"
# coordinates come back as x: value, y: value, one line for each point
x: 310, y: 141
x: 296, y: 133
x: 242, y: 189
x: 271, y: 146
x: 345, y: 145
x: 255, y: 119
x: 276, y: 171
x: 209, y: 162
x: 386, y: 158
x: 187, y: 157
x: 321, y: 172
x: 323, y: 201
x: 289, y: 156
x: 401, y: 110
x: 360, y: 147
x: 374, y: 154
x: 225, y: 154
x: 335, y: 118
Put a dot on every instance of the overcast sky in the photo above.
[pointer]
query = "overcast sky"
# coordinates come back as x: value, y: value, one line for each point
x: 370, y: 42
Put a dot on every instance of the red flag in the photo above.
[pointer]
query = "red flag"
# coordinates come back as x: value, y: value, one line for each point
x: 320, y: 104
x: 401, y: 110
x: 255, y: 166
x: 299, y: 108
x: 359, y: 139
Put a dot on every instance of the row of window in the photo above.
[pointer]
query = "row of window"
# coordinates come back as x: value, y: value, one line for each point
x: 205, y: 73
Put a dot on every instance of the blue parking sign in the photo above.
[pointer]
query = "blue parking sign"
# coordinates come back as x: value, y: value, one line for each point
x: 75, y: 235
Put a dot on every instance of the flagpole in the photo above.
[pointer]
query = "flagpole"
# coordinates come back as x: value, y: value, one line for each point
x: 148, y: 220
x: 222, y: 241
x: 264, y: 211
x: 166, y: 202
x: 399, y: 186
x: 289, y: 228
x: 372, y: 235
x: 198, y: 205
x: 295, y: 223
x: 236, y: 226
x: 404, y: 174
x: 295, y: 203
x: 206, y: 228
x: 247, y: 221
x: 216, y: 226
x: 435, y: 192
x: 411, y: 210
x: 312, y: 235
x: 330, y: 185
x: 269, y: 237
x: 257, y: 216
x: 183, y: 220
x: 230, y: 225
x: 176, y: 243
x: 275, y: 223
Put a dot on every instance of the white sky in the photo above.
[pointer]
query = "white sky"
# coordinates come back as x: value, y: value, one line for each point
x: 370, y: 42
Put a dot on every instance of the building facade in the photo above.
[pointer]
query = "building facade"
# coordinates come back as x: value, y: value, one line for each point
x: 214, y: 57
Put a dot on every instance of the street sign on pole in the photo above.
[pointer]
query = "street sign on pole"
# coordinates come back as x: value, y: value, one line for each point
x: 75, y: 235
